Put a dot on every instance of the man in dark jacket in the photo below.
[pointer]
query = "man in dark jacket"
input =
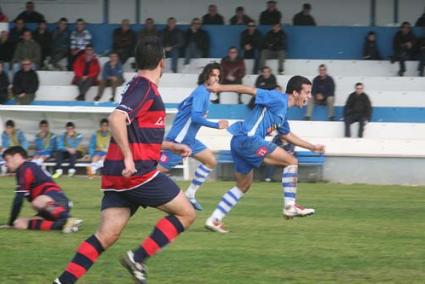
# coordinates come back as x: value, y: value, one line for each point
x: 403, y: 46
x: 25, y: 83
x: 370, y: 48
x: 240, y: 18
x: 357, y: 109
x: 421, y: 50
x: 124, y: 41
x: 250, y: 44
x: 7, y: 48
x: 275, y: 45
x: 213, y: 17
x: 30, y: 15
x: 4, y: 85
x: 304, y: 18
x: 271, y: 15
x: 420, y: 22
x: 266, y: 80
x: 44, y: 38
x: 172, y: 40
x: 17, y: 31
x: 197, y: 42
x: 59, y: 46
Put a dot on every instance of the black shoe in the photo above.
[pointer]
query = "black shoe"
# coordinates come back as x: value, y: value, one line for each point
x: 331, y: 118
x: 97, y: 98
x: 137, y: 270
x: 307, y: 118
x: 80, y: 98
x: 112, y: 99
x: 216, y: 101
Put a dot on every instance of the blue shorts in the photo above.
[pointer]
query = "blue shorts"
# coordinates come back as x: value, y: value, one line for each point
x: 249, y: 152
x: 154, y: 193
x: 170, y: 159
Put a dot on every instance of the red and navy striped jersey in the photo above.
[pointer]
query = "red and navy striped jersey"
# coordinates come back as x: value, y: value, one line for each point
x: 33, y: 181
x: 145, y: 111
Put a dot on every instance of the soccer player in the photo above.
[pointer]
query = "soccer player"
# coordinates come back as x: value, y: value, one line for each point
x: 191, y: 115
x: 249, y: 149
x: 98, y: 147
x: 130, y: 178
x: 45, y: 143
x: 46, y: 197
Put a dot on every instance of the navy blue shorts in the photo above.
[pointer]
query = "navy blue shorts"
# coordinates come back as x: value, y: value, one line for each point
x: 154, y: 193
x: 60, y: 198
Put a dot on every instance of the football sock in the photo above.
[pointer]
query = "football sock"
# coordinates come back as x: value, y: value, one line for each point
x: 227, y: 202
x: 201, y: 175
x: 289, y: 184
x: 44, y: 225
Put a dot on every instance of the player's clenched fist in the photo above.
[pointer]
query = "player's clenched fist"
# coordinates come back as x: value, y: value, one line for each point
x: 223, y: 124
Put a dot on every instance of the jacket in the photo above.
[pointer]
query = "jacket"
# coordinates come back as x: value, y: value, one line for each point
x: 324, y: 86
x: 200, y: 38
x: 235, y: 68
x: 358, y: 104
x: 25, y: 82
x: 79, y: 65
x: 275, y: 41
x: 28, y: 50
x: 17, y: 139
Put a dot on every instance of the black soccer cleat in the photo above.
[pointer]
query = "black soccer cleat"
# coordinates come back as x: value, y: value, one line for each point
x: 137, y: 270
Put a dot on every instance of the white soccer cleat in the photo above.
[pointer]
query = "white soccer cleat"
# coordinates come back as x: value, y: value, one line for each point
x: 57, y: 281
x: 72, y: 225
x: 296, y: 210
x: 215, y: 226
x: 71, y: 172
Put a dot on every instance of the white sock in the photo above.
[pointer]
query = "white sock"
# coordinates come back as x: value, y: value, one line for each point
x: 289, y: 184
x: 227, y: 202
x: 200, y: 176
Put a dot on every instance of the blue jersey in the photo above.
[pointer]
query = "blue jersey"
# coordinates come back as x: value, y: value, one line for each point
x: 191, y: 115
x: 270, y: 113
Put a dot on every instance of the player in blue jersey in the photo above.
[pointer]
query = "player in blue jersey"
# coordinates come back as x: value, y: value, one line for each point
x: 191, y: 116
x: 249, y: 148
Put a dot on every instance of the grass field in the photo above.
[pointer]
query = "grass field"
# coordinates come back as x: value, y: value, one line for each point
x: 360, y: 234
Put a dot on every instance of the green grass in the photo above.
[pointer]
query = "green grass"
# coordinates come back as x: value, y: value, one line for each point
x: 360, y: 234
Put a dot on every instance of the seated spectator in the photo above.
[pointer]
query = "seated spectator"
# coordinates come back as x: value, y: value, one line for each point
x: 233, y: 70
x: 370, y: 49
x: 403, y: 46
x: 271, y: 15
x: 17, y: 32
x: 213, y: 17
x: 421, y: 50
x: 98, y: 147
x: 124, y: 41
x: 86, y: 70
x: 45, y: 143
x: 172, y: 40
x: 30, y: 15
x: 4, y: 85
x: 304, y: 18
x: 196, y: 42
x: 7, y: 48
x: 80, y: 38
x: 44, y: 38
x: 25, y: 84
x: 275, y: 45
x: 240, y: 18
x: 357, y: 109
x: 3, y: 17
x: 68, y: 148
x: 112, y: 76
x: 148, y: 29
x: 250, y: 43
x: 420, y: 21
x: 27, y: 48
x: 12, y: 136
x: 266, y: 80
x: 59, y: 45
x: 323, y: 93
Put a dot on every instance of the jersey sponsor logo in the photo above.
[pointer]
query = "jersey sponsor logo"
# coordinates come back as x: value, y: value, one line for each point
x: 126, y: 107
x: 160, y: 122
x: 262, y: 151
x: 163, y: 158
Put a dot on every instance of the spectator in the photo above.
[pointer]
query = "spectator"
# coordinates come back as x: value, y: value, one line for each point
x: 44, y: 38
x: 213, y: 17
x: 250, y: 43
x: 112, y: 76
x: 274, y: 46
x: 69, y: 147
x: 172, y: 40
x: 59, y: 44
x: 421, y: 50
x: 7, y: 48
x: 17, y: 32
x: 30, y: 15
x: 266, y: 80
x: 98, y: 147
x: 124, y: 41
x: 25, y: 83
x: 45, y: 143
x: 4, y: 85
x: 370, y: 49
x: 86, y: 69
x: 240, y: 18
x: 233, y: 70
x: 271, y: 15
x: 12, y: 136
x: 27, y: 49
x: 421, y: 21
x: 3, y: 17
x: 357, y: 109
x: 197, y: 42
x: 403, y: 46
x: 80, y: 38
x: 323, y: 93
x: 148, y: 29
x: 304, y: 18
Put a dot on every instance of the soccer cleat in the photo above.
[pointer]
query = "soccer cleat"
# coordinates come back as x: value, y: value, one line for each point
x: 58, y: 173
x: 215, y: 226
x: 196, y: 205
x: 137, y: 270
x: 296, y: 210
x: 71, y: 172
x: 72, y: 225
x: 57, y: 281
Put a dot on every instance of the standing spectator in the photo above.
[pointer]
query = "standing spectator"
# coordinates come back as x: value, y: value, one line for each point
x: 69, y: 147
x: 3, y: 17
x: 7, y: 48
x: 421, y: 50
x: 12, y: 136
x: 370, y: 48
x: 124, y: 41
x: 233, y: 68
x: 240, y: 18
x: 197, y: 42
x: 30, y: 15
x: 44, y: 38
x: 213, y: 17
x: 266, y: 80
x: 112, y: 76
x: 27, y: 49
x: 98, y: 147
x: 420, y: 21
x: 17, y: 31
x: 59, y: 44
x: 173, y: 40
x: 274, y: 46
x: 148, y: 29
x: 45, y: 143
x: 403, y: 46
x: 304, y: 18
x: 271, y: 15
x: 25, y: 83
x: 4, y: 85
x: 86, y: 69
x: 80, y: 38
x: 357, y: 109
x: 250, y: 43
x: 323, y: 93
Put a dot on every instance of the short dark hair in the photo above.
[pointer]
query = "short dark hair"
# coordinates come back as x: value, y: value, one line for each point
x: 265, y: 67
x: 15, y: 150
x: 63, y: 19
x: 205, y: 74
x: 171, y: 18
x: 104, y: 120
x: 10, y: 123
x: 358, y: 84
x: 43, y: 122
x: 70, y: 124
x: 239, y: 8
x: 371, y: 33
x: 307, y: 6
x: 29, y: 2
x: 296, y: 84
x: 149, y: 52
x: 322, y: 66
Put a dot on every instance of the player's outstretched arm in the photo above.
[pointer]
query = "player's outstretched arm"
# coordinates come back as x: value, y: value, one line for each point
x: 16, y: 208
x: 242, y: 89
x: 181, y: 149
x: 294, y: 139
